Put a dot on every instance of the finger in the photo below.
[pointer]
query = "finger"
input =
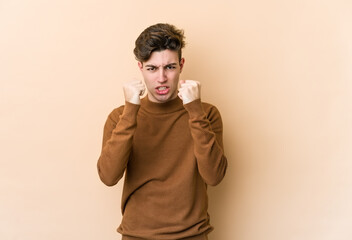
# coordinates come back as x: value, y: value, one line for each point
x: 140, y: 86
x: 193, y: 82
x: 187, y: 85
x: 180, y: 95
x: 141, y: 92
x: 137, y: 85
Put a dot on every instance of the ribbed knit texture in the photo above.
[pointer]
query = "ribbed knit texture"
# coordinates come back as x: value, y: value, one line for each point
x: 169, y: 153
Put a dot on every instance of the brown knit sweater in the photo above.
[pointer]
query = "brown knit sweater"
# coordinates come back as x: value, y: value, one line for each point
x: 169, y: 153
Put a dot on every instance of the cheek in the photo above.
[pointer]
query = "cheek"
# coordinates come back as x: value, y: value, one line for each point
x: 148, y: 83
x: 148, y: 79
x: 173, y: 75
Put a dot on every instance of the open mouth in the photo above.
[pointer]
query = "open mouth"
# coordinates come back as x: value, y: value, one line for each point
x: 162, y: 90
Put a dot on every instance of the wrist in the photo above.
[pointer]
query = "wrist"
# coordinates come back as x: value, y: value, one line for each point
x: 134, y: 100
x: 194, y: 108
x: 187, y: 100
x: 130, y: 111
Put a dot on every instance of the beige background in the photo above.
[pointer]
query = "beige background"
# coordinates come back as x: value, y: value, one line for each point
x: 279, y: 71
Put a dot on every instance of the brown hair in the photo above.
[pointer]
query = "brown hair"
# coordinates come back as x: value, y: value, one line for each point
x: 158, y: 37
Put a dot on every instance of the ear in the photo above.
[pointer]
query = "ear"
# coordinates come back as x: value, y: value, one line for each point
x: 182, y: 62
x: 140, y: 65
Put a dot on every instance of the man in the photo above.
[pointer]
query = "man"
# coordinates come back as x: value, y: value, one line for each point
x: 168, y: 144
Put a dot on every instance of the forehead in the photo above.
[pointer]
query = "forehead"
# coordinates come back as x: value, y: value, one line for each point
x: 163, y: 57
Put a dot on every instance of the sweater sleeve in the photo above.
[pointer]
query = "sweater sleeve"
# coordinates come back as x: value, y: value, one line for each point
x: 206, y: 129
x: 117, y: 143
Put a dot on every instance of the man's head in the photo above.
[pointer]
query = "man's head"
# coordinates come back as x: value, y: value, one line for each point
x: 159, y: 37
x: 159, y: 55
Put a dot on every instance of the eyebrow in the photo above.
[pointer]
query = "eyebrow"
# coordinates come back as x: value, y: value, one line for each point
x: 170, y: 64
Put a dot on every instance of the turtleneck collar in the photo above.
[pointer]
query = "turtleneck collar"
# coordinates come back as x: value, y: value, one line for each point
x: 162, y: 108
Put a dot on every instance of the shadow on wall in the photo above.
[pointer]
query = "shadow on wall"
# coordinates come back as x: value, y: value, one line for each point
x: 224, y: 198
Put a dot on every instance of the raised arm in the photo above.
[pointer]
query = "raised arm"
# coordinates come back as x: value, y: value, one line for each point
x: 207, y: 132
x: 206, y: 129
x: 118, y: 135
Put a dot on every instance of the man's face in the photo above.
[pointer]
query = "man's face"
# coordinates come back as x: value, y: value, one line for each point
x: 161, y: 74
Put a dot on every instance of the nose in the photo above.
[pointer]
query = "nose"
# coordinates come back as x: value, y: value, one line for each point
x: 162, y: 78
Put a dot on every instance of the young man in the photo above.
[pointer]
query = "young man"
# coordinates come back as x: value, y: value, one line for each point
x: 168, y: 144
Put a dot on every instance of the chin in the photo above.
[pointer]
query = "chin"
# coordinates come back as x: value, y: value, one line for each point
x: 163, y: 99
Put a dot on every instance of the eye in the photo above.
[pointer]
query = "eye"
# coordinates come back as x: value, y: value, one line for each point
x: 151, y: 69
x: 170, y: 67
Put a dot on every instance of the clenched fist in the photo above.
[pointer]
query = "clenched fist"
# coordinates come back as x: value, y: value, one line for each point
x: 189, y: 91
x: 133, y: 90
